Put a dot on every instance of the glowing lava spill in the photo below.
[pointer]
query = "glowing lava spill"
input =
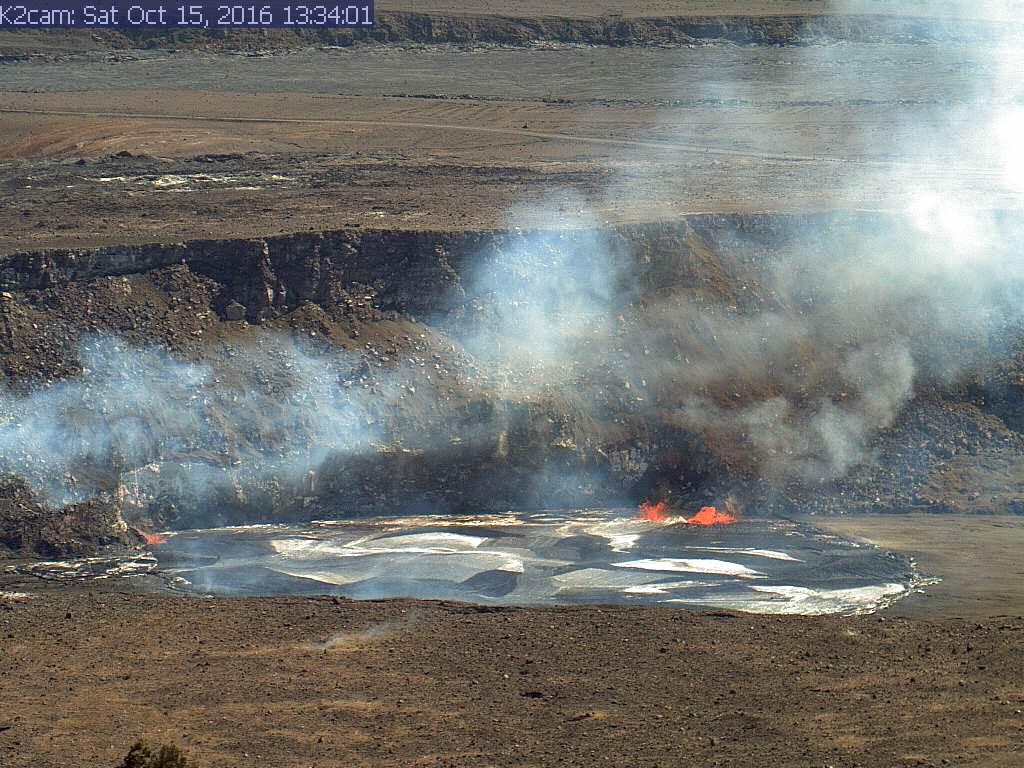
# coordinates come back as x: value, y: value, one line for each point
x: 658, y: 513
x: 711, y: 516
x: 654, y: 513
x: 151, y: 539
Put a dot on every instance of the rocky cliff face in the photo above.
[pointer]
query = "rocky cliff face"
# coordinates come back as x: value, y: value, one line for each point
x: 359, y: 372
x: 670, y: 30
x: 611, y: 30
x: 390, y: 301
x: 419, y: 270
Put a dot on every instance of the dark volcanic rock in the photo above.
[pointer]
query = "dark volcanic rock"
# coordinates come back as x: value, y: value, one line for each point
x: 30, y: 529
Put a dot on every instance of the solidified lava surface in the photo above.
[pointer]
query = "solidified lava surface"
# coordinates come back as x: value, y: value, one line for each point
x: 571, y: 556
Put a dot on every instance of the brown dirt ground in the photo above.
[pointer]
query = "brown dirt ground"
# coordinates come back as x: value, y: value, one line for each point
x: 360, y: 138
x: 243, y: 682
x: 403, y: 163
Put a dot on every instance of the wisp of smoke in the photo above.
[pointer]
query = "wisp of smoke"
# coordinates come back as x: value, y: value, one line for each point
x: 276, y: 410
x: 546, y: 299
x: 858, y: 316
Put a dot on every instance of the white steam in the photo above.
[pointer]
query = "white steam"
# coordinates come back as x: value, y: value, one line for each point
x: 545, y: 299
x: 853, y: 315
x: 268, y: 410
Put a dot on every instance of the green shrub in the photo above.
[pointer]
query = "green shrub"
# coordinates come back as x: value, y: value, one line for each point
x: 141, y: 756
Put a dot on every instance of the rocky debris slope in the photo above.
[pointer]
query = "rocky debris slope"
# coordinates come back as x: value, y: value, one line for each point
x: 31, y: 529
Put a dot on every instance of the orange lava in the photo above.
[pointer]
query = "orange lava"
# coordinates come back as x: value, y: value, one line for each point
x: 711, y: 516
x: 151, y: 539
x: 655, y: 513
